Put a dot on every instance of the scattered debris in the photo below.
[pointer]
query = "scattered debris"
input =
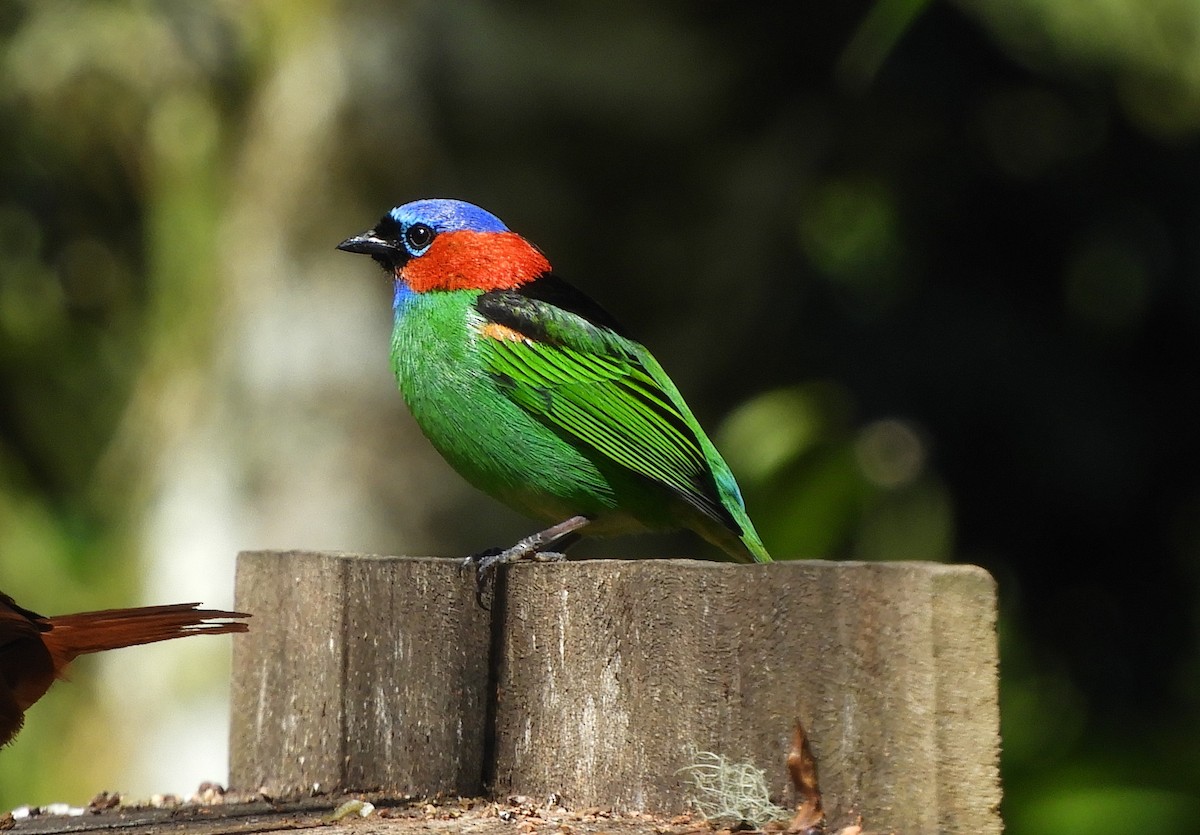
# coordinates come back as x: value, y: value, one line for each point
x: 102, y: 801
x: 353, y: 806
x: 515, y: 815
x: 63, y: 809
x: 208, y: 794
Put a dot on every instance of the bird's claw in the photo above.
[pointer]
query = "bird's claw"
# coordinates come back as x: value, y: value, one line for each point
x: 478, y: 557
x: 486, y: 561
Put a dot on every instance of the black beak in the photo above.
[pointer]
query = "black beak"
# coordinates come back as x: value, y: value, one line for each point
x: 368, y: 243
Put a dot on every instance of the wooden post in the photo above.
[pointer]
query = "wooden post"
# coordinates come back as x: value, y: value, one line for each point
x: 359, y: 672
x: 606, y: 676
x: 612, y: 674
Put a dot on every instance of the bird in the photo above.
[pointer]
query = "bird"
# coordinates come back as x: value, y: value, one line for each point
x: 537, y: 395
x: 35, y: 650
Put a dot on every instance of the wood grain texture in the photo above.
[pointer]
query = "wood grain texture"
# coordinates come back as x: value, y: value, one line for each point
x: 611, y: 673
x: 605, y: 676
x: 360, y: 672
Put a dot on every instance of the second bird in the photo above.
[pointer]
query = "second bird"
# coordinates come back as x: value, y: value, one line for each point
x: 537, y: 396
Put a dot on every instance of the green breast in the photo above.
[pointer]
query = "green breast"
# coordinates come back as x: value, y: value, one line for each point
x: 493, y: 443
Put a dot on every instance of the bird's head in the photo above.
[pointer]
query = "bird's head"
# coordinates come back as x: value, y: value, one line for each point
x: 449, y: 245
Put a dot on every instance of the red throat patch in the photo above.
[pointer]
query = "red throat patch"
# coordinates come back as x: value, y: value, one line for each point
x: 466, y: 260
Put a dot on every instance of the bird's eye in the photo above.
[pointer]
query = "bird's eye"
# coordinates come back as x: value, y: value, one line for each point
x: 417, y: 237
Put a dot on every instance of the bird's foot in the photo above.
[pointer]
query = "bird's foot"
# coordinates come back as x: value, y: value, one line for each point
x: 529, y: 548
x: 474, y: 560
x: 486, y: 561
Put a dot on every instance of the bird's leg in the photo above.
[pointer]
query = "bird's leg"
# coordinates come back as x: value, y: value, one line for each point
x: 534, y: 547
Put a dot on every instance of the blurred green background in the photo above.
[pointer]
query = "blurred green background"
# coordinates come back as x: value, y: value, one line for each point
x: 930, y: 271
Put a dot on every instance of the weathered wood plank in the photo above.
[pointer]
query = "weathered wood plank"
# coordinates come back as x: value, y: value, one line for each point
x: 373, y: 672
x: 226, y: 818
x: 391, y: 816
x: 360, y: 672
x: 610, y: 673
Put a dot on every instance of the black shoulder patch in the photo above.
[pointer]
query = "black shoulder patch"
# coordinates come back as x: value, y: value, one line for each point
x: 553, y: 290
x: 504, y: 307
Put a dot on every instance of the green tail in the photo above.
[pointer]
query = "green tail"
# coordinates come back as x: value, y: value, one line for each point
x: 743, y: 547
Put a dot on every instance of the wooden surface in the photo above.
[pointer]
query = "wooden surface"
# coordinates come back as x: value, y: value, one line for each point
x: 391, y: 816
x: 611, y: 673
x: 359, y: 672
x: 259, y: 816
x: 368, y: 672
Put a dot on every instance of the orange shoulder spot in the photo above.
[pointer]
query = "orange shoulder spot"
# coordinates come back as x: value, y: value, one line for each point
x: 492, y: 330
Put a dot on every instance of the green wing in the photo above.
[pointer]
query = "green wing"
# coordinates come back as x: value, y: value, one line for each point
x: 604, y: 390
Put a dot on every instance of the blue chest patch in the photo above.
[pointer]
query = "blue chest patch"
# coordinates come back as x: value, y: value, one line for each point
x: 402, y: 298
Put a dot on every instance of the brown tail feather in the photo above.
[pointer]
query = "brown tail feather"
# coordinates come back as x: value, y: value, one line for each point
x: 70, y: 636
x: 35, y: 650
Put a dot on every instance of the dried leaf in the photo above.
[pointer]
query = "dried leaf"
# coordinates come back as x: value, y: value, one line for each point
x: 802, y: 767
